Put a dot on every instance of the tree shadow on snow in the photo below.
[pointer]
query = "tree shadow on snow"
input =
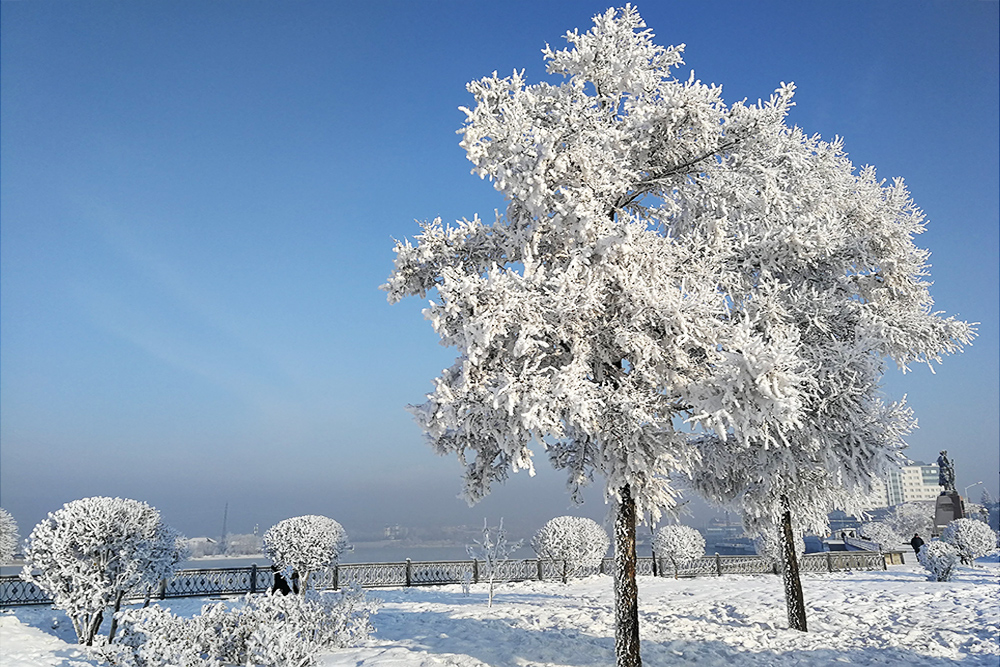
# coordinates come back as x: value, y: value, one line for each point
x: 499, y: 643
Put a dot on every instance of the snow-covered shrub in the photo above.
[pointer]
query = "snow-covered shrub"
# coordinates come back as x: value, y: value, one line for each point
x: 8, y: 536
x: 262, y: 629
x: 680, y: 544
x: 305, y: 544
x: 494, y: 551
x: 971, y: 538
x: 92, y: 552
x: 153, y: 636
x: 881, y: 533
x: 939, y: 558
x: 577, y: 541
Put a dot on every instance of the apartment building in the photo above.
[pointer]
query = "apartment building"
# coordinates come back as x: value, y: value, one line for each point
x: 911, y: 483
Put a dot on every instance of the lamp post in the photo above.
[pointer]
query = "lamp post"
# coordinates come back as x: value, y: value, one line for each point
x: 969, y: 487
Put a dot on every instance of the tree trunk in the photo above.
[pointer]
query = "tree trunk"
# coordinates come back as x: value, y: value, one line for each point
x: 626, y: 590
x: 93, y: 627
x: 790, y: 572
x: 114, y: 616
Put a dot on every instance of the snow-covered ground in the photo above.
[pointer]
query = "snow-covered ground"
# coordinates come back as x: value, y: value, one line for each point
x: 855, y: 618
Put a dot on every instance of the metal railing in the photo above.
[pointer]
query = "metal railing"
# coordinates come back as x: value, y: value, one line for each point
x: 241, y: 580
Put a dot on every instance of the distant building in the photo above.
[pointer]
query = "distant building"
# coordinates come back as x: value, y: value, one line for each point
x: 395, y: 532
x: 914, y: 482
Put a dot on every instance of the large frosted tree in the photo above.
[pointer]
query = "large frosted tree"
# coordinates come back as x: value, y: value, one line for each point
x: 620, y: 295
x: 821, y: 256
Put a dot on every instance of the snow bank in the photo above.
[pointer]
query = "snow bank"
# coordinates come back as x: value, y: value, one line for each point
x: 863, y: 618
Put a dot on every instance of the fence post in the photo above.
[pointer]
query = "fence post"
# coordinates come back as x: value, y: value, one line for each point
x: 409, y: 572
x: 718, y: 564
x: 253, y: 578
x: 336, y: 577
x: 829, y: 562
x: 475, y: 570
x: 539, y: 568
x: 655, y: 569
x: 163, y: 588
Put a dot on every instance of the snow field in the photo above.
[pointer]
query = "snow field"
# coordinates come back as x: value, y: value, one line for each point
x: 896, y: 617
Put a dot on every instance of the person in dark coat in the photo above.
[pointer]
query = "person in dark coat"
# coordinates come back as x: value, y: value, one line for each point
x: 280, y: 584
x: 916, y: 543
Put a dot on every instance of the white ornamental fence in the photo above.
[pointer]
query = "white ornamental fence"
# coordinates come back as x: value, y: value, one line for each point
x: 253, y: 579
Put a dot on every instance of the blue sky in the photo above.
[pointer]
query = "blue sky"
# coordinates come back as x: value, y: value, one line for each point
x: 198, y: 203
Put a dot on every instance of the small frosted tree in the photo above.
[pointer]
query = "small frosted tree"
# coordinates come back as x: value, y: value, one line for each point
x: 971, y: 538
x: 939, y: 558
x: 578, y: 542
x: 94, y: 551
x: 679, y: 544
x: 909, y: 519
x: 880, y: 533
x: 305, y: 545
x: 8, y: 536
x: 494, y: 551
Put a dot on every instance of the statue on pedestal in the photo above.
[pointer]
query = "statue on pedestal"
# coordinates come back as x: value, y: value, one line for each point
x: 946, y: 473
x: 949, y: 505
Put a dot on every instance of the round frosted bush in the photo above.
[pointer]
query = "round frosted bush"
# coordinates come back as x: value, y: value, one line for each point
x: 576, y: 541
x: 93, y: 551
x: 939, y: 558
x: 970, y: 537
x: 305, y: 544
x: 680, y: 544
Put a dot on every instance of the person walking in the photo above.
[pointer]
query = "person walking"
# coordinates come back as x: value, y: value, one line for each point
x: 916, y: 543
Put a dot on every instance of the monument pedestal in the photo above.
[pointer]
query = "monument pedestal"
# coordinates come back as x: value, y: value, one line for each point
x: 949, y: 506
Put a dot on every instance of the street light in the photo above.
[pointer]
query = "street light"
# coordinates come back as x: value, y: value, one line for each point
x: 969, y: 487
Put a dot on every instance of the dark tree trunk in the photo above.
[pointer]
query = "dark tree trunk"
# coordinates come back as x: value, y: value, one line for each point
x: 114, y: 616
x: 790, y: 572
x: 626, y: 589
x: 95, y: 625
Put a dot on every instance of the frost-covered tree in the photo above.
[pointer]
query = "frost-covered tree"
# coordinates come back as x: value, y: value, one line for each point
x: 880, y: 533
x: 8, y: 536
x: 992, y: 509
x: 92, y: 552
x: 304, y: 545
x: 913, y: 518
x: 939, y: 558
x: 679, y: 544
x: 663, y: 256
x: 970, y: 537
x: 578, y: 542
x: 494, y: 551
x: 582, y: 323
x: 825, y: 265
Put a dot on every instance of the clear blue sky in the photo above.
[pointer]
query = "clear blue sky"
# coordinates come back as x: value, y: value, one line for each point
x: 198, y: 203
